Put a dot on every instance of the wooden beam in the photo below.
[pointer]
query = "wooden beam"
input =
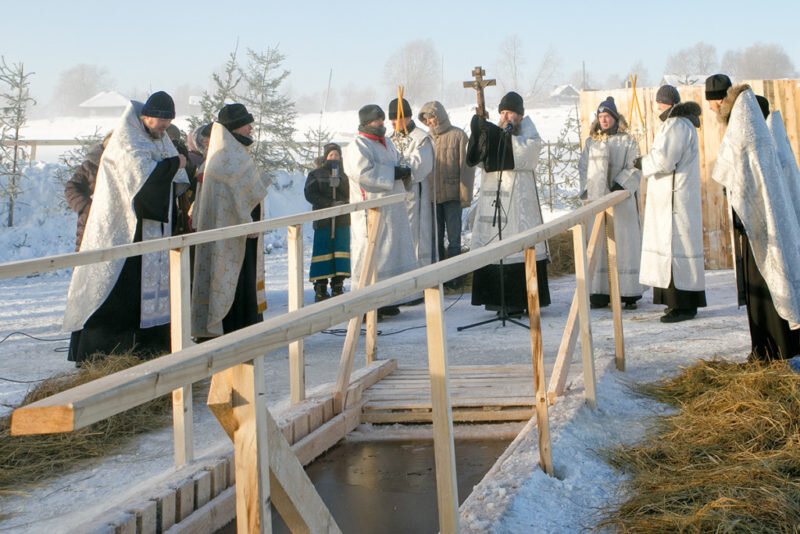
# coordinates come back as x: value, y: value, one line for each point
x: 102, y: 398
x: 368, y: 271
x: 558, y: 378
x: 443, y: 444
x: 537, y: 355
x: 582, y: 281
x: 292, y: 492
x: 180, y: 333
x: 371, y: 338
x: 297, y: 370
x: 251, y: 448
x: 65, y: 261
x: 614, y: 291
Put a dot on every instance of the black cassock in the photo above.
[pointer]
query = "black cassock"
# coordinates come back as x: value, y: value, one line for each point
x: 488, y: 144
x: 115, y: 326
x: 770, y: 335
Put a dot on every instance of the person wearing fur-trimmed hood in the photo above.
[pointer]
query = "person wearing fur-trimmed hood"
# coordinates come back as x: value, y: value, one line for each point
x: 765, y: 223
x: 672, y: 242
x: 228, y: 288
x: 606, y: 165
x: 514, y: 174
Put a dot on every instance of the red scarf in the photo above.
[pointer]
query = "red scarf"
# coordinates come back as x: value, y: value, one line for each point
x: 381, y: 140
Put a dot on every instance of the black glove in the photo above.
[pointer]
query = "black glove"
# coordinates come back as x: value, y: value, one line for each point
x: 401, y: 173
x: 637, y: 163
x: 617, y: 187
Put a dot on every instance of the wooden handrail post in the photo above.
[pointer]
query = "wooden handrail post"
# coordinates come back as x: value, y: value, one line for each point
x: 537, y: 356
x: 297, y: 371
x: 582, y: 282
x: 614, y: 290
x: 371, y: 338
x: 251, y: 449
x: 443, y: 443
x: 368, y: 270
x: 180, y: 334
x: 558, y: 380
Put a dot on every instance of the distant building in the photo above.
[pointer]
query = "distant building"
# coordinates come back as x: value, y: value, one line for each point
x: 105, y: 103
x: 683, y: 79
x: 565, y: 94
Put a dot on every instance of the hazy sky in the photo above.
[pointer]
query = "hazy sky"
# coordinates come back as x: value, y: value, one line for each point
x: 150, y: 45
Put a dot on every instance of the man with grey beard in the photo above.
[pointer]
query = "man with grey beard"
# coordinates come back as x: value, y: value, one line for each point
x: 508, y: 154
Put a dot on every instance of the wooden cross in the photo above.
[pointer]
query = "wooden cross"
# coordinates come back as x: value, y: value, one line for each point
x: 478, y: 84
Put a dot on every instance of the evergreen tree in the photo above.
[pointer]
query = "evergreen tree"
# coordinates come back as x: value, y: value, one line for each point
x: 309, y: 150
x: 15, y: 99
x: 274, y: 147
x: 224, y: 92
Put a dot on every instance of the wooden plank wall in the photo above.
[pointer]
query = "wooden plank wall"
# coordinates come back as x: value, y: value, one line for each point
x: 783, y: 95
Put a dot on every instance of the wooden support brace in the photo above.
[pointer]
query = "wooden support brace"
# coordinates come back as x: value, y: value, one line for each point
x: 371, y: 339
x: 558, y: 380
x: 443, y: 444
x: 368, y: 271
x: 614, y: 291
x: 582, y: 282
x: 180, y: 334
x: 292, y: 492
x: 537, y: 355
x: 297, y: 372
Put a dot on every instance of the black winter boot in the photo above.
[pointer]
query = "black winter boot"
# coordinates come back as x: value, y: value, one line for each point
x: 337, y: 285
x: 321, y: 290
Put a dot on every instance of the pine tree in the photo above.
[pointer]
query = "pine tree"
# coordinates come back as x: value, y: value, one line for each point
x: 224, y: 92
x: 274, y: 113
x: 13, y: 114
x: 309, y: 150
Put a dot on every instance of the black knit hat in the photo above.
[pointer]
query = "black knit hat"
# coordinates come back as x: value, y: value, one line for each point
x: 608, y: 106
x: 330, y: 147
x: 511, y: 102
x: 668, y: 95
x: 717, y: 86
x: 369, y: 113
x: 393, y: 110
x: 160, y: 106
x: 763, y: 103
x: 234, y: 116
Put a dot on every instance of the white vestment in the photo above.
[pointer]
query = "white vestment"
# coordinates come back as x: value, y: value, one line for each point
x: 128, y: 161
x: 518, y: 196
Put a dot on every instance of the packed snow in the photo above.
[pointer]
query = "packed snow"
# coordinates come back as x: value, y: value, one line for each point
x: 516, y: 496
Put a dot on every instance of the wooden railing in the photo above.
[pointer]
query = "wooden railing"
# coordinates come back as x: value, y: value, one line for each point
x: 235, y: 361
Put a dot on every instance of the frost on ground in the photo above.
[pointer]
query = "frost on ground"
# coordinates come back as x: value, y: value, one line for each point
x: 517, y: 497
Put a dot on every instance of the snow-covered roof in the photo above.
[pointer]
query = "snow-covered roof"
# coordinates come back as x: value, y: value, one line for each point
x: 684, y: 79
x: 106, y: 99
x: 564, y: 90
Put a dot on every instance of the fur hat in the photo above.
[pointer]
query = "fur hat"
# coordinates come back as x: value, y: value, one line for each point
x: 667, y: 94
x: 160, y: 106
x: 608, y: 106
x: 717, y: 86
x: 234, y: 116
x: 330, y: 147
x: 369, y: 113
x: 511, y: 102
x: 763, y: 103
x: 393, y: 110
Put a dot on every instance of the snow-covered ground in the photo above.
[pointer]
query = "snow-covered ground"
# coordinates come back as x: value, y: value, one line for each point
x: 517, y: 498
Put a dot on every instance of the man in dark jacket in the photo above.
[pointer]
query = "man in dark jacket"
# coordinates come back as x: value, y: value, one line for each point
x: 79, y: 189
x: 328, y: 186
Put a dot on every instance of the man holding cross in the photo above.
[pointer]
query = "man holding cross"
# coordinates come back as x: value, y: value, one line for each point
x: 508, y: 154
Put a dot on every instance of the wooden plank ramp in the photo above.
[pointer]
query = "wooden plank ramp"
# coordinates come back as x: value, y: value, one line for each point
x: 479, y: 393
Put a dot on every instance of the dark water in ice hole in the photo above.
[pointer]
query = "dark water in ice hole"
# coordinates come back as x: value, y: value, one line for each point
x: 389, y: 487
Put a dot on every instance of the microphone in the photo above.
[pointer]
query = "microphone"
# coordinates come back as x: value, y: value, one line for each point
x: 508, y: 128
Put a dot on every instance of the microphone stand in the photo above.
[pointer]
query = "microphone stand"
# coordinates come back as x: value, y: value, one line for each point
x: 502, y: 314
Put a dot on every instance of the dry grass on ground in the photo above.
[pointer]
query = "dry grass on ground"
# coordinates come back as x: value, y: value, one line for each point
x: 26, y: 459
x: 562, y: 256
x: 727, y: 461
